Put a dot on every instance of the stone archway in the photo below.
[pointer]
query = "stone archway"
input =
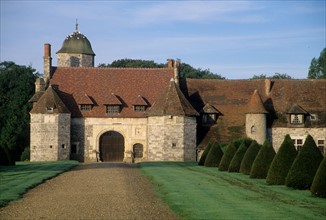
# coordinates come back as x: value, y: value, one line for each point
x: 112, y: 147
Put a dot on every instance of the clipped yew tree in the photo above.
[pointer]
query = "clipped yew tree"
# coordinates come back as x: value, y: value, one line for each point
x: 214, y: 156
x: 249, y: 157
x: 237, y: 158
x: 227, y: 157
x: 282, y: 162
x: 318, y: 187
x: 204, y: 154
x: 305, y: 165
x: 263, y: 161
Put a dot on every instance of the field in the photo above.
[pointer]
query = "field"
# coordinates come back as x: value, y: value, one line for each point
x: 16, y: 180
x: 197, y: 192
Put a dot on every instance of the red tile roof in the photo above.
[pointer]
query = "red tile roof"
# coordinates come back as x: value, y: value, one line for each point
x: 255, y: 105
x: 99, y: 84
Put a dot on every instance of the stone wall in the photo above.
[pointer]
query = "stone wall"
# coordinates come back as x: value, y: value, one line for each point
x: 75, y: 60
x: 86, y: 133
x: 50, y: 137
x: 171, y: 138
x: 277, y: 134
x: 256, y: 127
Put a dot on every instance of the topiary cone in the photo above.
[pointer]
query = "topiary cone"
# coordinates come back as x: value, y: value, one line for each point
x: 318, y: 187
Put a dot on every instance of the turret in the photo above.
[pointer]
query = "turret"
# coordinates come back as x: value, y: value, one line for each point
x: 256, y: 119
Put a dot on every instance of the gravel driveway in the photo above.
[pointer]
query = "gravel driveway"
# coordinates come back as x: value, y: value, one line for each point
x: 91, y: 191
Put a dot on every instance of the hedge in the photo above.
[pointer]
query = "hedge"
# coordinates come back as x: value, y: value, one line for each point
x: 305, y: 165
x: 214, y: 156
x: 203, y: 156
x: 318, y: 187
x: 282, y: 162
x: 263, y: 161
x: 227, y: 157
x: 237, y: 158
x: 249, y: 157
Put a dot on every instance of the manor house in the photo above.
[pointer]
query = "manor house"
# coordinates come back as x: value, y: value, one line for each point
x: 88, y: 113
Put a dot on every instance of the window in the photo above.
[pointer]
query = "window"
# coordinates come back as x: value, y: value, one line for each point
x: 85, y: 107
x: 113, y: 109
x: 49, y: 109
x: 209, y: 118
x: 139, y: 108
x: 296, y: 119
x: 253, y: 129
x: 321, y: 145
x: 63, y: 146
x: 298, y: 143
x: 174, y: 145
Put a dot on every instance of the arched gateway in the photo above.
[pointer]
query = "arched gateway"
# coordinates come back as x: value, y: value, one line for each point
x: 112, y: 147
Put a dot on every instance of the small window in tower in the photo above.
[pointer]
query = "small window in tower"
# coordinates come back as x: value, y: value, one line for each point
x: 253, y: 129
x: 63, y: 146
x: 174, y: 145
x: 49, y: 109
x: 50, y: 146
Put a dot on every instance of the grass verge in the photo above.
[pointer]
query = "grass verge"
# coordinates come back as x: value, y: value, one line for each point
x: 197, y: 192
x: 16, y: 180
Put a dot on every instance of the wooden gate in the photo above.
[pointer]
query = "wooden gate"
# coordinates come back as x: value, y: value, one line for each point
x: 112, y: 147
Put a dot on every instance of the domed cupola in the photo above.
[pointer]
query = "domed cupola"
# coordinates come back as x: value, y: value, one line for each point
x: 76, y: 51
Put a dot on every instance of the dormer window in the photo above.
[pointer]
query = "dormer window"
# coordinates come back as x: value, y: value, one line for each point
x: 296, y: 119
x: 139, y: 108
x: 140, y: 104
x: 112, y: 109
x: 209, y: 114
x: 85, y: 107
x: 49, y: 109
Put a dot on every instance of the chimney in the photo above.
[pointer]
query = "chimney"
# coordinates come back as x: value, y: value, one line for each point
x: 39, y: 85
x: 268, y: 86
x: 47, y: 63
x: 176, y: 65
x: 170, y: 63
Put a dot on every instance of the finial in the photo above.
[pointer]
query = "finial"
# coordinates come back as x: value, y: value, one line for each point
x: 76, y: 25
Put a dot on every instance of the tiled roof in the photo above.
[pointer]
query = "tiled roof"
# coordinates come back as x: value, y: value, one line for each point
x: 36, y: 96
x: 296, y: 109
x: 140, y: 101
x: 231, y: 97
x: 49, y: 103
x: 112, y: 99
x: 99, y: 84
x: 172, y: 102
x: 255, y: 105
x: 83, y: 98
x: 209, y: 109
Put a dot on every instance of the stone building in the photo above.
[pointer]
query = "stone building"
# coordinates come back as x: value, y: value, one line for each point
x: 150, y: 114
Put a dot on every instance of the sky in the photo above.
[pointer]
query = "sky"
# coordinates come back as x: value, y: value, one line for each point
x: 236, y: 39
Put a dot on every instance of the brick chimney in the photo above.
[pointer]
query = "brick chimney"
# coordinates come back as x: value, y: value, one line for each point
x: 47, y: 63
x: 176, y: 64
x: 268, y: 86
x: 170, y: 63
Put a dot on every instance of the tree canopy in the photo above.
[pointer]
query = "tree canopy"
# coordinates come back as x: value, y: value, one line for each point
x: 16, y: 88
x: 317, y: 69
x: 275, y: 76
x: 186, y: 70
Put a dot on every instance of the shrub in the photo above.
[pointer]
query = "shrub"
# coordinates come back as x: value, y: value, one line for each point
x: 305, y: 165
x: 227, y: 157
x: 249, y: 157
x: 263, y: 161
x: 237, y: 158
x: 282, y: 162
x: 25, y: 155
x: 214, y: 156
x: 318, y: 187
x: 204, y: 155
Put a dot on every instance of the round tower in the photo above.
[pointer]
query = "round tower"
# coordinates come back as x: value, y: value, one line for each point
x: 76, y: 51
x: 256, y: 119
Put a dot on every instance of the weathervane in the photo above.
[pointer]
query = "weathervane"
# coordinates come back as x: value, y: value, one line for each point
x: 76, y: 25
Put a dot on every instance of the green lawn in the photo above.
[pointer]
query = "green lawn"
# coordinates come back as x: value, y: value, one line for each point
x: 197, y: 192
x: 16, y: 180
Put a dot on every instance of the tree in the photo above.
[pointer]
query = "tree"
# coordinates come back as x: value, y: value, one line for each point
x: 238, y: 156
x: 228, y: 154
x: 249, y: 157
x: 282, y: 162
x: 318, y: 187
x: 204, y: 154
x: 16, y: 88
x: 275, y: 76
x: 185, y: 70
x: 263, y: 161
x: 214, y: 156
x: 305, y: 165
x: 317, y: 69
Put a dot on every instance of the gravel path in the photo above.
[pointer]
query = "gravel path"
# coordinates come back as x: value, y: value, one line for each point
x: 91, y: 191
